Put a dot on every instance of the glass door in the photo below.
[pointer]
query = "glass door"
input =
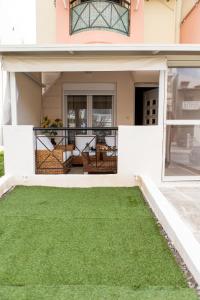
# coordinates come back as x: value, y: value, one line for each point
x: 77, y: 111
x: 102, y: 111
x: 83, y: 111
x: 182, y: 155
x: 89, y: 111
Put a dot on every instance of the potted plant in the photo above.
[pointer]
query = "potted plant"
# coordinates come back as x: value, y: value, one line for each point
x: 47, y: 123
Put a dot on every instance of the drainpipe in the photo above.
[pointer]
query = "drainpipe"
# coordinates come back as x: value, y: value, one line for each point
x: 178, y: 16
x: 65, y: 3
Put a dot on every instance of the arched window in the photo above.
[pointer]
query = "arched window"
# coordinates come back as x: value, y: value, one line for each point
x: 111, y: 15
x: 124, y: 3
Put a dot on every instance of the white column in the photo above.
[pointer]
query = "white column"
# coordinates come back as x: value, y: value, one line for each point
x: 14, y: 97
x: 1, y: 102
x: 162, y: 96
x: 162, y: 117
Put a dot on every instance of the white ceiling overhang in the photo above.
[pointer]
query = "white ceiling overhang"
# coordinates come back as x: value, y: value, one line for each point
x: 113, y: 48
x: 78, y: 63
x: 96, y: 57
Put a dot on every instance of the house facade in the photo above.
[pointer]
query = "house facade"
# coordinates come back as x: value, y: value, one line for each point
x: 82, y: 22
x: 124, y: 110
x: 111, y: 97
x: 138, y: 21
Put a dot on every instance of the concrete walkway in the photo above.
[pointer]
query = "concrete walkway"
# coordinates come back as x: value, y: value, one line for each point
x: 186, y: 200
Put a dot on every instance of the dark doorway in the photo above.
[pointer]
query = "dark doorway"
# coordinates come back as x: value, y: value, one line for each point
x: 140, y: 107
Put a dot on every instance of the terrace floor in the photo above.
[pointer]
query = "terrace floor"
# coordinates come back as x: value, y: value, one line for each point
x: 76, y: 170
x: 186, y: 201
x: 96, y: 243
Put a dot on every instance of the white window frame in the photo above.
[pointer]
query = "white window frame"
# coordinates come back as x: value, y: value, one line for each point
x: 168, y: 178
x: 89, y: 90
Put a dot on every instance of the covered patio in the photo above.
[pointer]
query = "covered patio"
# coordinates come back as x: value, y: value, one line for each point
x: 85, y: 109
x: 76, y: 108
x: 120, y: 111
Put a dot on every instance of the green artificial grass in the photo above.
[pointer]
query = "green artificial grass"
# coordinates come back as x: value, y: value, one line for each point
x: 1, y: 164
x: 99, y: 243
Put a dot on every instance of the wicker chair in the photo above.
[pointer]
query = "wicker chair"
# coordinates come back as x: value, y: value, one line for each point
x: 81, y: 143
x: 93, y: 165
x: 50, y: 160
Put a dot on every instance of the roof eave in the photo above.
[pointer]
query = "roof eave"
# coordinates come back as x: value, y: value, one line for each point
x: 84, y: 48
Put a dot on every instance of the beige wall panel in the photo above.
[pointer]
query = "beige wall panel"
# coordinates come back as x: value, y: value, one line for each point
x: 53, y: 113
x: 55, y: 91
x: 46, y: 21
x: 159, y: 21
x: 29, y: 102
x: 124, y: 98
x: 146, y: 76
x: 50, y: 102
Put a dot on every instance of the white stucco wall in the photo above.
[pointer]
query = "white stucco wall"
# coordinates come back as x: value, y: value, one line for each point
x: 139, y: 153
x: 18, y: 150
x: 29, y: 101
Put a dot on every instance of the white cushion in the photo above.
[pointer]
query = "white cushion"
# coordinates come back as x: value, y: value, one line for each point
x: 111, y: 140
x: 111, y: 153
x: 43, y: 141
x: 82, y: 140
x: 67, y: 155
x: 92, y: 153
x: 77, y: 153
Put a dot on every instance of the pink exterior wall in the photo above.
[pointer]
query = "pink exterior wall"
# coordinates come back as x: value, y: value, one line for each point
x: 189, y: 31
x: 98, y: 36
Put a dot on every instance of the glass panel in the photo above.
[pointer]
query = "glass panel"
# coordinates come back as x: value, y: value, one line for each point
x: 102, y: 111
x: 183, y: 97
x: 182, y: 150
x: 77, y: 111
x: 102, y: 115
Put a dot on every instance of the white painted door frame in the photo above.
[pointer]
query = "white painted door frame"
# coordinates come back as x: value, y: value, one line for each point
x: 89, y: 90
x: 173, y: 122
x: 89, y: 109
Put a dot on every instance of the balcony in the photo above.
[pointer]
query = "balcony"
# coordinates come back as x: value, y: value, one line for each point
x: 106, y: 15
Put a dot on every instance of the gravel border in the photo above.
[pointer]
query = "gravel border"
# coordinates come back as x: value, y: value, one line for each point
x: 189, y: 277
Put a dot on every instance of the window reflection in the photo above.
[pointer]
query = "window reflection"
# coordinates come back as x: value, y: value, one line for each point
x: 183, y: 97
x: 102, y: 111
x: 77, y: 111
x: 182, y: 150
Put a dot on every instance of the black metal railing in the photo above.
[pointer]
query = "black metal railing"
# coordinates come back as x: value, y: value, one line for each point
x: 60, y: 150
x: 97, y: 14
